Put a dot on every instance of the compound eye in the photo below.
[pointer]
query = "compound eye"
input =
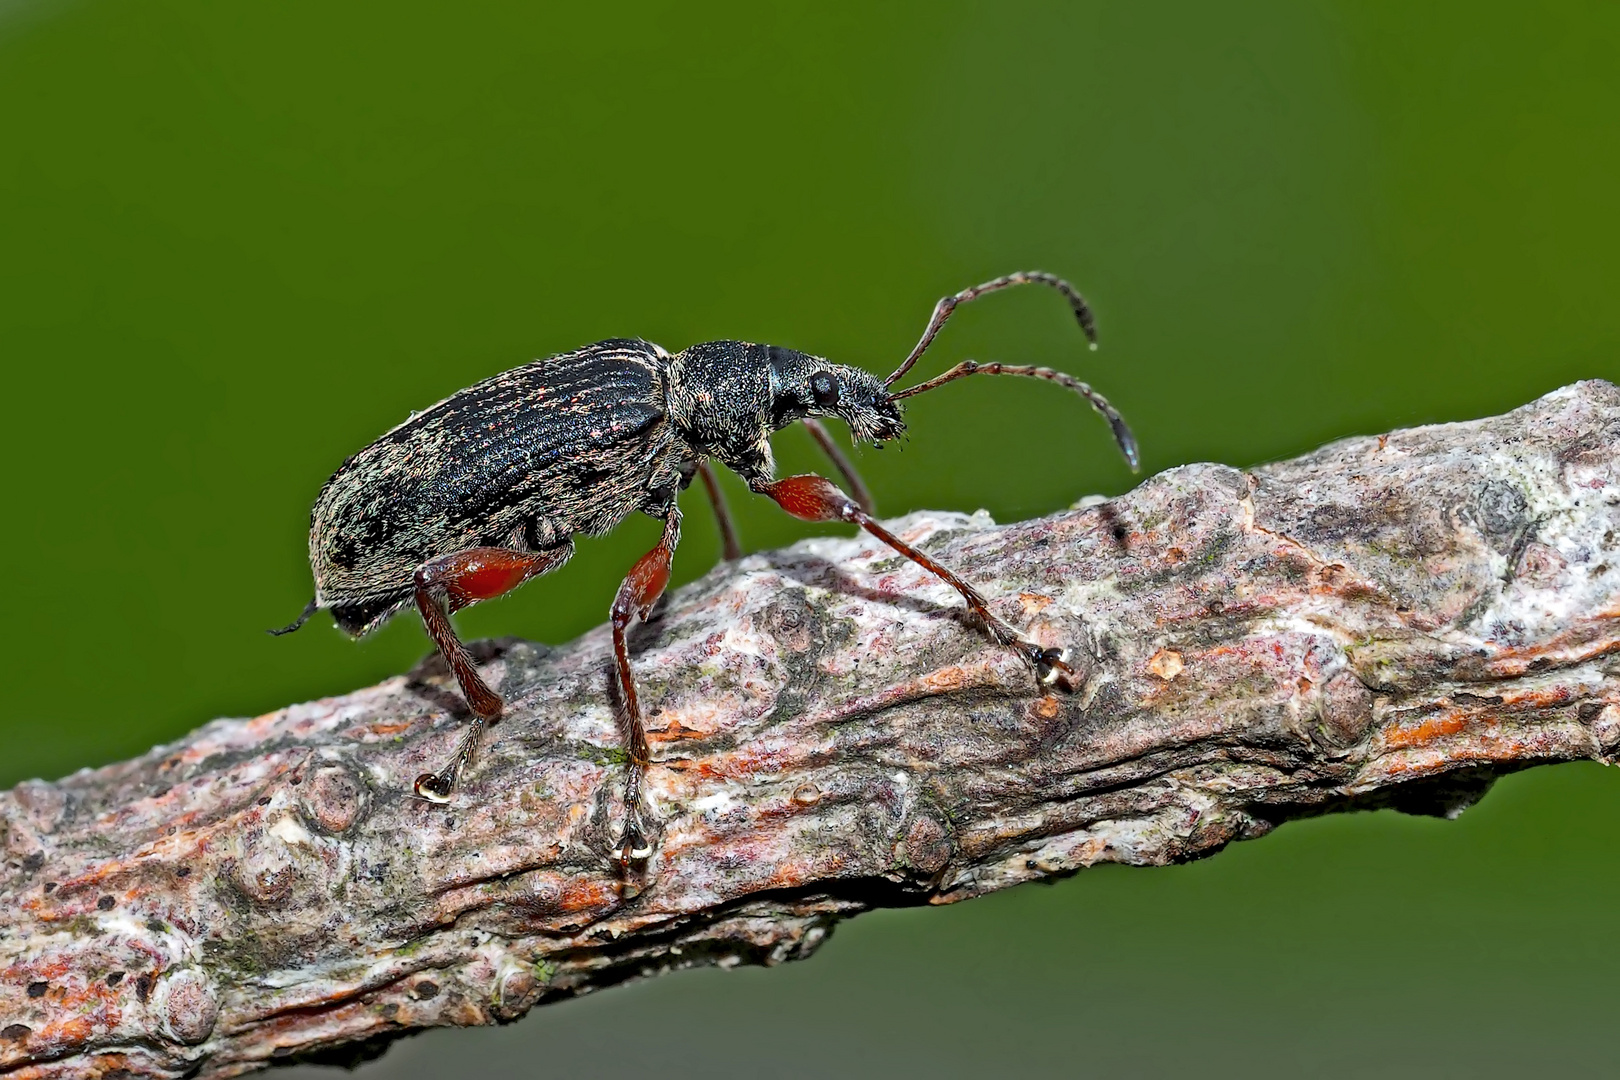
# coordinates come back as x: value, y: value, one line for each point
x: 825, y: 389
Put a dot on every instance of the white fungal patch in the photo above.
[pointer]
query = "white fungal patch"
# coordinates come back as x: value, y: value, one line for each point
x: 289, y: 830
x: 739, y: 641
x: 718, y: 803
x: 125, y: 926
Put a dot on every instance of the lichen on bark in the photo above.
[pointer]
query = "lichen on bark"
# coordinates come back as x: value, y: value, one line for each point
x: 1387, y: 621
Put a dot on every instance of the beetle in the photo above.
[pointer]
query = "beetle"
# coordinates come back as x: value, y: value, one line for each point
x: 478, y: 494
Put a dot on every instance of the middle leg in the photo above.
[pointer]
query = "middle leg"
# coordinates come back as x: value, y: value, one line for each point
x: 641, y: 589
x: 730, y: 549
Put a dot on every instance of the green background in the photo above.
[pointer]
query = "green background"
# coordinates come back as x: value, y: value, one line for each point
x: 238, y: 241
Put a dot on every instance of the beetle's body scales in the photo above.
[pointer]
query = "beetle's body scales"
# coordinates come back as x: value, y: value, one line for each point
x: 486, y: 489
x: 569, y: 445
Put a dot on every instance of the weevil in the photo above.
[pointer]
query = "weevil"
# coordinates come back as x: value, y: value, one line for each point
x: 476, y: 495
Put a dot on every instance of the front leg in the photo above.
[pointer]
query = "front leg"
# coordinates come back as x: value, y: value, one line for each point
x: 813, y: 498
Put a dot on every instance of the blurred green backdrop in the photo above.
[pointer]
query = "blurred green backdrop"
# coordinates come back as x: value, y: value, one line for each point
x: 241, y: 240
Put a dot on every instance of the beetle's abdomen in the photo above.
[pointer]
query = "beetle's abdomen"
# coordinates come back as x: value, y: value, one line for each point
x: 525, y: 459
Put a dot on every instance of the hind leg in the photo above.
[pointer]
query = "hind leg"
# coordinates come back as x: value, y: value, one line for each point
x: 448, y: 584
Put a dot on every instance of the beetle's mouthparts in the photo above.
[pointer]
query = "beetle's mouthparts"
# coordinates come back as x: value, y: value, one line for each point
x: 879, y: 429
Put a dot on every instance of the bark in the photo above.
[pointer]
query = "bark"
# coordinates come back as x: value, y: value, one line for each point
x: 1389, y: 621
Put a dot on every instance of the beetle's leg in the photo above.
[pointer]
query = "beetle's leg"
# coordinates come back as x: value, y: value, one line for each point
x: 1116, y: 422
x: 729, y: 548
x: 943, y: 309
x: 448, y: 584
x: 814, y: 498
x: 641, y: 589
x: 845, y: 467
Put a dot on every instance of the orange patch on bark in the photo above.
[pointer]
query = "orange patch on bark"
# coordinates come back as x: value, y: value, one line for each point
x: 1166, y: 664
x: 946, y: 680
x: 1435, y: 727
x: 393, y: 728
x: 1034, y: 603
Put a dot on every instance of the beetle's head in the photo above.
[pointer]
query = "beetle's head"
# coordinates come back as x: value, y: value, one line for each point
x: 803, y: 385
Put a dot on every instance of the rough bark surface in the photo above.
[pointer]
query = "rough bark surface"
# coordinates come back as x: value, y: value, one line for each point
x: 1387, y: 621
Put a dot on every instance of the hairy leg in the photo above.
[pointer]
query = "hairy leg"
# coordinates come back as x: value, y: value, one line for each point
x: 641, y: 589
x: 729, y: 547
x: 448, y: 584
x: 814, y: 498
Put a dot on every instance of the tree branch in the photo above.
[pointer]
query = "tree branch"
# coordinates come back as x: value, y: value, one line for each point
x: 1388, y: 621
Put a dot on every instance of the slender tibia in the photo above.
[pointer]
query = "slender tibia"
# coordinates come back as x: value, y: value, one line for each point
x: 729, y: 547
x: 840, y: 460
x: 1116, y: 422
x: 813, y: 498
x: 437, y: 786
x: 448, y: 584
x: 641, y: 589
x: 943, y: 309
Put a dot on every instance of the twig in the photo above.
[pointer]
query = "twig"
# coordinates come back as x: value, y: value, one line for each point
x: 1387, y: 621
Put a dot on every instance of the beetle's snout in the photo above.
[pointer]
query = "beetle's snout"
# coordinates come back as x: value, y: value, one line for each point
x: 878, y: 420
x: 882, y: 429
